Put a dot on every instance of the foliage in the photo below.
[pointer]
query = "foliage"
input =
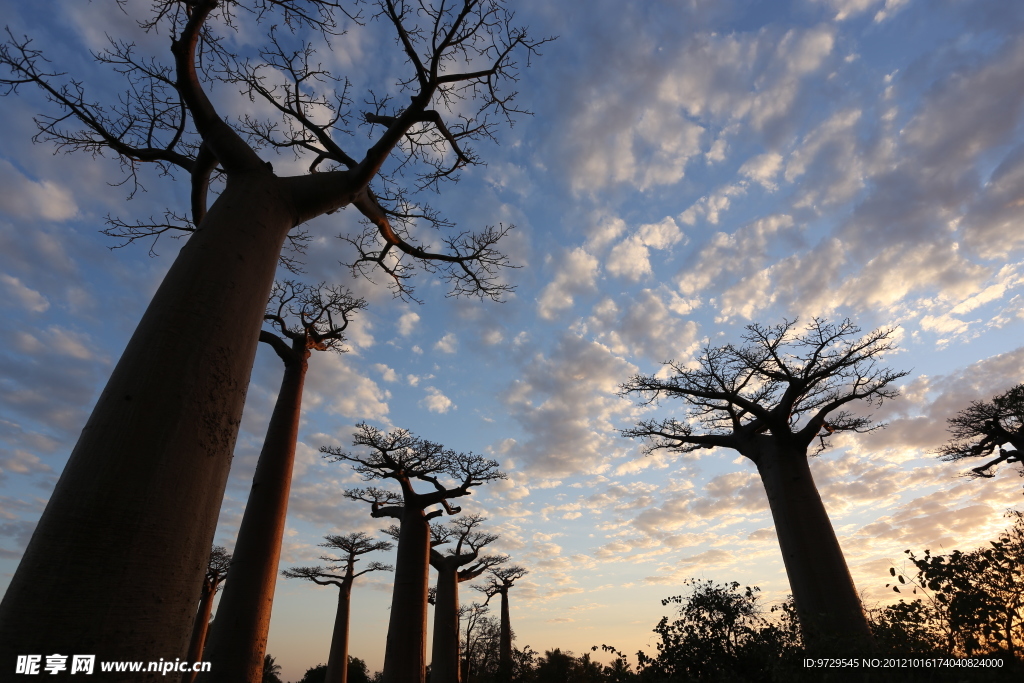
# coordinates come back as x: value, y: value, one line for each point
x: 721, y: 634
x: 357, y: 672
x: 271, y: 670
x: 969, y: 604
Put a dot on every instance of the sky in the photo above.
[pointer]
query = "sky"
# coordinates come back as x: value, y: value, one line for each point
x: 689, y: 168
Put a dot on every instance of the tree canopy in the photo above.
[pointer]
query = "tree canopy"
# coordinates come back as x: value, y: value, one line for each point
x: 985, y: 427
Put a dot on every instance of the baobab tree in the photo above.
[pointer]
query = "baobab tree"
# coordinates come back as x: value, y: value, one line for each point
x: 177, y: 392
x: 216, y: 571
x: 985, y: 427
x: 406, y: 459
x: 341, y: 573
x: 499, y: 582
x: 770, y: 400
x: 303, y: 319
x: 456, y: 565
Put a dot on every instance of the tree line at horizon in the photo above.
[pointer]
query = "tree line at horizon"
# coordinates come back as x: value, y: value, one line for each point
x: 776, y: 398
x: 958, y: 605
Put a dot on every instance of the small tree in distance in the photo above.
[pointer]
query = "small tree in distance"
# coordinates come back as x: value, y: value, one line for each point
x: 304, y: 319
x: 770, y: 400
x: 986, y: 427
x: 406, y: 459
x: 216, y: 572
x: 352, y: 546
x: 499, y: 582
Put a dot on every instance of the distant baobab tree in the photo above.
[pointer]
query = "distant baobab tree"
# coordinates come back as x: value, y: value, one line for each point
x: 216, y: 571
x: 457, y: 564
x: 770, y: 399
x: 406, y: 459
x: 499, y: 582
x: 341, y: 573
x: 985, y: 427
x: 144, y: 484
x: 304, y: 319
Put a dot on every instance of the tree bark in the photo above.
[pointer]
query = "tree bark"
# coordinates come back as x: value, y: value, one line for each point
x: 405, y: 656
x: 337, y: 662
x: 238, y: 640
x: 827, y: 603
x: 115, y: 563
x: 444, y: 660
x: 202, y: 623
x: 505, y: 643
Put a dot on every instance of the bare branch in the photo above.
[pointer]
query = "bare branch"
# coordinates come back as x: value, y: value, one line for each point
x: 312, y: 317
x: 405, y: 458
x: 783, y: 382
x: 985, y: 427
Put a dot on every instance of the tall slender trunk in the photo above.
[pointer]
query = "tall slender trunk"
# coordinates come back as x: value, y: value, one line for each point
x: 337, y: 662
x: 202, y: 623
x: 115, y: 563
x: 444, y: 660
x: 238, y: 640
x: 505, y: 644
x: 827, y: 603
x: 405, y: 657
x: 468, y: 659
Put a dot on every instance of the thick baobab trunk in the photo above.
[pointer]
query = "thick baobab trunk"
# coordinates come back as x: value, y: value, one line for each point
x: 827, y: 603
x: 505, y: 643
x: 202, y: 623
x: 337, y: 662
x: 238, y: 641
x: 405, y: 657
x: 115, y: 564
x: 444, y: 660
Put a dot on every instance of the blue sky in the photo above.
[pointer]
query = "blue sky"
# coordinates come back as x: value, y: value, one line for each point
x: 690, y: 167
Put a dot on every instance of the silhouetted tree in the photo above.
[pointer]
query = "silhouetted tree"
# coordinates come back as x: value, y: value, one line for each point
x: 304, y: 319
x: 477, y: 622
x: 357, y: 672
x: 721, y: 634
x: 454, y: 566
x: 969, y: 603
x: 557, y: 666
x: 216, y: 571
x: 176, y: 395
x: 500, y: 580
x: 985, y: 427
x: 770, y: 400
x: 270, y: 672
x: 405, y: 459
x: 351, y: 546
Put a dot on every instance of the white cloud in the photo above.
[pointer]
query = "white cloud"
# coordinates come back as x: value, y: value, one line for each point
x: 763, y: 169
x: 436, y: 402
x: 726, y: 256
x: 630, y: 259
x: 333, y: 385
x: 387, y: 374
x: 643, y: 325
x: 576, y: 274
x: 407, y: 323
x: 26, y: 198
x: 447, y: 344
x: 29, y: 298
x: 565, y: 403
